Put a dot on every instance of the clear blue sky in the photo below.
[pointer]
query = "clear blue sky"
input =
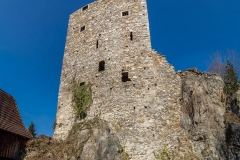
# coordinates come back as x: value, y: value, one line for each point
x: 33, y: 34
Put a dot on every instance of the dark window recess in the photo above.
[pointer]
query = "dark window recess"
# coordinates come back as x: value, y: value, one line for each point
x: 85, y: 8
x: 101, y: 66
x: 125, y: 77
x: 82, y: 83
x: 82, y: 28
x: 131, y: 36
x: 97, y: 44
x: 125, y: 13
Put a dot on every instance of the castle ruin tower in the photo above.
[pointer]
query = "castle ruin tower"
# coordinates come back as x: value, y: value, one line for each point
x: 134, y: 89
x: 112, y: 32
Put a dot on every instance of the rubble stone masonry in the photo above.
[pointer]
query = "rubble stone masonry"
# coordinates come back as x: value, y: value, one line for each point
x: 134, y: 88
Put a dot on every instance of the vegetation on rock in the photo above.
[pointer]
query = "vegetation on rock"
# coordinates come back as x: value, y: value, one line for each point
x: 82, y: 98
x: 164, y: 155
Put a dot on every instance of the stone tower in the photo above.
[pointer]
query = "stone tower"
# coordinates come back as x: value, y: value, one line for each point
x: 134, y: 88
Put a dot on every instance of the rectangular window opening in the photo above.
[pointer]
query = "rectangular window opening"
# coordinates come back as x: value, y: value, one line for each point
x: 101, y: 66
x: 97, y: 44
x: 125, y: 77
x: 131, y: 36
x: 125, y: 13
x: 85, y: 8
x: 82, y: 28
x: 82, y: 83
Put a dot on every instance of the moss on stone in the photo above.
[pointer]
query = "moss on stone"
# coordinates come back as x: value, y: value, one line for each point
x: 82, y: 98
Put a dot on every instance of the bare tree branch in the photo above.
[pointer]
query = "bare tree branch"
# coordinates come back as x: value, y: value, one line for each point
x: 219, y: 60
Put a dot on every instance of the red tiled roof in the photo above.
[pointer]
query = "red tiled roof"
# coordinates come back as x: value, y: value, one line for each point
x: 10, y: 119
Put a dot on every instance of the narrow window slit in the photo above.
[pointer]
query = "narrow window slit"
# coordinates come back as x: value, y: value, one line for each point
x: 101, y: 66
x: 131, y: 36
x: 97, y: 44
x: 125, y: 77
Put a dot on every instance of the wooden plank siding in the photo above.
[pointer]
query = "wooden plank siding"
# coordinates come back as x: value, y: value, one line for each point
x: 13, y: 134
x: 11, y: 145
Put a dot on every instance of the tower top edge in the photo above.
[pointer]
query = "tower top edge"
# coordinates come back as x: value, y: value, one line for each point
x: 104, y: 1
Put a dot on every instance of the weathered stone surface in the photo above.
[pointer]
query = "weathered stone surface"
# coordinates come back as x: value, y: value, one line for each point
x: 88, y: 140
x: 107, y: 37
x: 203, y: 112
x: 213, y: 131
x: 152, y: 111
x: 102, y: 145
x: 234, y: 105
x: 144, y: 111
x: 232, y: 123
x: 203, y: 135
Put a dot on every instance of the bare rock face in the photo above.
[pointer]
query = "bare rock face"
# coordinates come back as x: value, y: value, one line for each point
x: 232, y: 123
x: 234, y: 105
x: 203, y: 112
x: 102, y: 145
x: 212, y: 122
x: 233, y: 140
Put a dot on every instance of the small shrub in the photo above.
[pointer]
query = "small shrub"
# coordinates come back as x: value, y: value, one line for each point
x: 82, y: 98
x: 164, y: 155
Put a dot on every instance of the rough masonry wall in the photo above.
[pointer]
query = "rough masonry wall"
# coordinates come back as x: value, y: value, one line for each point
x: 104, y: 23
x: 144, y: 112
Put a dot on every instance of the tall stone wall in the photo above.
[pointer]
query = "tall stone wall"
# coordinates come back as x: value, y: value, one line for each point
x: 143, y: 112
x: 105, y: 25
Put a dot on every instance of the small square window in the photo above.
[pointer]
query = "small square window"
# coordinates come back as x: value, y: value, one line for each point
x: 82, y: 83
x: 101, y: 66
x: 125, y: 77
x: 125, y: 13
x: 85, y: 8
x: 82, y: 28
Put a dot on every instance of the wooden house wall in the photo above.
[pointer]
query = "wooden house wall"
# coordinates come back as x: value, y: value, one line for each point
x: 11, y: 145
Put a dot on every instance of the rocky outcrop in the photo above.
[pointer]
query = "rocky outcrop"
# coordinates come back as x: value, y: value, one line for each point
x: 203, y: 112
x: 232, y: 123
x: 88, y: 140
x: 234, y: 105
x: 212, y: 121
